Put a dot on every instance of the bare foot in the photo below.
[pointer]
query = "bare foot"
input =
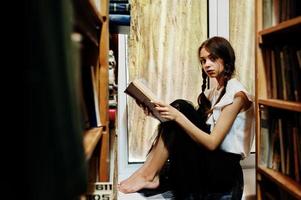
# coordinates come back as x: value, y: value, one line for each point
x: 137, y: 182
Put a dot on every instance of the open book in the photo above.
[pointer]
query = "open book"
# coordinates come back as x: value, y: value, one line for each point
x: 143, y: 95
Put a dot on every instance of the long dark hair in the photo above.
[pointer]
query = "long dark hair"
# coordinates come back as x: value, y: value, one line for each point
x: 218, y: 47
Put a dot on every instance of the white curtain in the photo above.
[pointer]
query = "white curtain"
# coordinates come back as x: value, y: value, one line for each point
x: 242, y: 37
x: 163, y: 50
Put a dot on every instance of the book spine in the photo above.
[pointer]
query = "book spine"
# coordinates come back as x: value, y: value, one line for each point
x: 119, y: 19
x: 119, y: 8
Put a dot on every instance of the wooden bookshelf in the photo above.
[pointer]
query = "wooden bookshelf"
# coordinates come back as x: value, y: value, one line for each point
x: 63, y: 41
x: 277, y: 103
x: 278, y: 95
x: 285, y: 26
x: 290, y: 29
x: 91, y: 22
x: 283, y: 181
x: 103, y: 72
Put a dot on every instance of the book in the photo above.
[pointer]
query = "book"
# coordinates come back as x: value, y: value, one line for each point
x: 264, y: 133
x: 120, y: 8
x: 267, y: 13
x: 282, y: 145
x: 138, y: 90
x: 90, y: 97
x: 100, y: 190
x: 120, y: 19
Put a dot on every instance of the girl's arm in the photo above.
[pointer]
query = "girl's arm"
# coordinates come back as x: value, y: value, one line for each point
x: 223, y: 124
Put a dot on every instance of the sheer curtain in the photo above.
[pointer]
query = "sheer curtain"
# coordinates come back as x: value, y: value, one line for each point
x: 163, y: 43
x: 242, y: 30
x: 241, y: 36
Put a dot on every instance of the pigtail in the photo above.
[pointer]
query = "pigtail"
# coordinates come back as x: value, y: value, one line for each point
x: 222, y: 93
x: 228, y: 71
x: 209, y: 111
x: 203, y: 102
x: 205, y: 78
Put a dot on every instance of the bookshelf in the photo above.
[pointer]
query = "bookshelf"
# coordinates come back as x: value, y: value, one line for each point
x: 91, y: 24
x: 278, y: 103
x: 65, y: 97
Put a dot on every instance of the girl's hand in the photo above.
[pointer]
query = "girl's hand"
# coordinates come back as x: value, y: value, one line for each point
x: 167, y: 111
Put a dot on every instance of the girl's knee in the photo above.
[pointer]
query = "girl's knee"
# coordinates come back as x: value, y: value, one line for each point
x: 188, y: 109
x: 182, y: 105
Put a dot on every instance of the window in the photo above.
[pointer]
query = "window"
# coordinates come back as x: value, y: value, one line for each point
x: 166, y: 53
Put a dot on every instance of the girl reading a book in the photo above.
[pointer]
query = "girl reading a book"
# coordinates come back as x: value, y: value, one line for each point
x: 200, y: 149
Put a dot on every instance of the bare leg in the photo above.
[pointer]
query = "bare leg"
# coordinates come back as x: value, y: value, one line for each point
x: 147, y: 175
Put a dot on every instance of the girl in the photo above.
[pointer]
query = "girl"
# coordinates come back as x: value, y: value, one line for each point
x: 202, y: 147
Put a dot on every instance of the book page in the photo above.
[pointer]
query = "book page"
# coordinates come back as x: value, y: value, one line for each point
x: 141, y: 84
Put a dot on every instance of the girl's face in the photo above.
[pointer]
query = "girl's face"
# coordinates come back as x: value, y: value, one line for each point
x: 212, y: 65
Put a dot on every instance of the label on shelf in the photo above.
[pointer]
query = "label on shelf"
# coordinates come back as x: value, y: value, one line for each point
x: 100, y: 191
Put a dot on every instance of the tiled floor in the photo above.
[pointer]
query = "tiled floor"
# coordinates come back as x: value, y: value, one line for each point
x: 138, y: 196
x: 249, y: 185
x: 249, y: 190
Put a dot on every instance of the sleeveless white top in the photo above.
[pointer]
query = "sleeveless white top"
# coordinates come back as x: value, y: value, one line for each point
x: 240, y: 137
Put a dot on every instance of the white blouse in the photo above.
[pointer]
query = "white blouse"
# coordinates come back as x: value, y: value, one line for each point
x: 240, y: 137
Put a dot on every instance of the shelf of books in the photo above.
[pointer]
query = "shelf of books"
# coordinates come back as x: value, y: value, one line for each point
x: 90, y: 36
x: 290, y: 25
x: 278, y: 99
x: 280, y: 147
x: 283, y: 181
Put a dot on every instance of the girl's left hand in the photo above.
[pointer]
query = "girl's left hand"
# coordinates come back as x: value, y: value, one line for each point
x: 166, y: 110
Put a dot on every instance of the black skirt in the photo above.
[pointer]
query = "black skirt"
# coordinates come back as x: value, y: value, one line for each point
x: 193, y: 170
